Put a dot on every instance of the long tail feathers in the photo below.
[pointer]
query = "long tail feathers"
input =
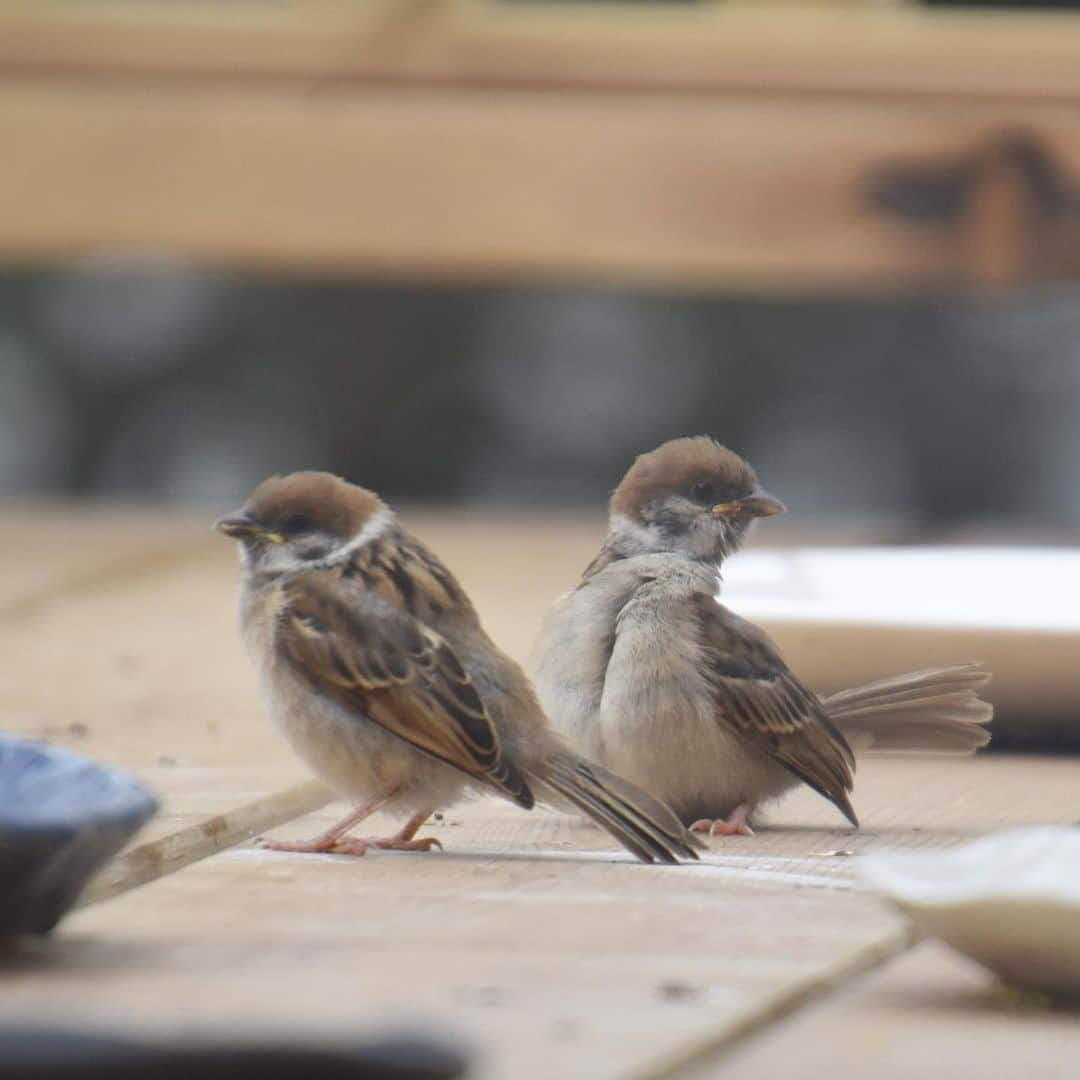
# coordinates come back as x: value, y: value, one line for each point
x: 935, y: 711
x: 642, y: 824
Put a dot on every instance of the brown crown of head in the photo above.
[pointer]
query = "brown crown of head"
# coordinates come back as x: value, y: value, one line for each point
x: 310, y: 502
x: 677, y: 467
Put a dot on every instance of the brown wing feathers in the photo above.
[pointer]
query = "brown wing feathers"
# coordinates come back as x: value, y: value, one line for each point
x: 759, y: 697
x: 379, y: 660
x: 642, y: 824
x: 404, y: 572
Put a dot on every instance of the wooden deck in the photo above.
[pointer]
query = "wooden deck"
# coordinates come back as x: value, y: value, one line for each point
x: 530, y: 939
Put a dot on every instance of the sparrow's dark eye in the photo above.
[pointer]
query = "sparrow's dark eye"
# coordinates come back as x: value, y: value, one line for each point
x: 703, y: 492
x: 296, y: 523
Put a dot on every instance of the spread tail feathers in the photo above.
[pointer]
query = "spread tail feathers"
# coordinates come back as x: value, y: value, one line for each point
x: 642, y: 824
x: 936, y: 711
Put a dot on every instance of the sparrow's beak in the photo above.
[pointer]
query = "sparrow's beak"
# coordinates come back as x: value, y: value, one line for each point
x: 241, y: 525
x: 758, y: 504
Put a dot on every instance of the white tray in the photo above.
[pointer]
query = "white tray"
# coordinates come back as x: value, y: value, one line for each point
x: 1010, y: 900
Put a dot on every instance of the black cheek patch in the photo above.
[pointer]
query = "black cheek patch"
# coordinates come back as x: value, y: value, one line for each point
x: 312, y: 550
x: 669, y: 521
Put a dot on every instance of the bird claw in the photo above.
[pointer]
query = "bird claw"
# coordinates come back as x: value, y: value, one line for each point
x: 722, y: 828
x: 362, y: 845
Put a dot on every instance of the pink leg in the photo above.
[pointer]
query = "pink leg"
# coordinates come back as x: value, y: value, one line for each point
x: 736, y: 823
x: 402, y: 840
x: 327, y: 841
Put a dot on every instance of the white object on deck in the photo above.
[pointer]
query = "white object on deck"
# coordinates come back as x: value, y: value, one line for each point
x: 1011, y: 901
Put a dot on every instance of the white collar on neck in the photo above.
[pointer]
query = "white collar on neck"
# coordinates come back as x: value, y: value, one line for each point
x: 378, y: 524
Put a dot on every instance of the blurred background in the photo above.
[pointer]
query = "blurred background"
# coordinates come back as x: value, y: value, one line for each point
x: 160, y: 380
x: 477, y: 255
x: 904, y: 358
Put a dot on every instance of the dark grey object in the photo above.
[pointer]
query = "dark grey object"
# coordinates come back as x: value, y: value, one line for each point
x: 62, y: 816
x: 71, y: 1055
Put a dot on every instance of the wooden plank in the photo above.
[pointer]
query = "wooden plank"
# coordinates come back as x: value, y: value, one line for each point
x: 694, y: 1057
x: 902, y: 802
x: 749, y: 192
x: 531, y: 936
x: 551, y: 953
x: 931, y: 1013
x: 696, y: 146
x: 546, y: 965
x: 60, y: 552
x: 721, y: 48
x: 142, y: 670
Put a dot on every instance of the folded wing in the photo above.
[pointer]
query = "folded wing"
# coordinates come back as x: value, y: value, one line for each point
x: 759, y: 698
x: 382, y: 663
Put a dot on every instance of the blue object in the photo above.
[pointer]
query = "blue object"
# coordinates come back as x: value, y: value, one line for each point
x: 62, y: 817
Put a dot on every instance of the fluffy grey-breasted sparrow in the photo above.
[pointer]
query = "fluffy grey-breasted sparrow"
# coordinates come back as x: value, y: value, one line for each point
x: 643, y: 669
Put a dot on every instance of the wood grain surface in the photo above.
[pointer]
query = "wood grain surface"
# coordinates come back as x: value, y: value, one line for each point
x: 713, y: 148
x: 531, y: 938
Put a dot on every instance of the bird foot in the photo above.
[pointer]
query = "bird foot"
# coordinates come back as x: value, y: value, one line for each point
x: 318, y: 846
x: 721, y: 828
x: 735, y: 824
x: 351, y: 845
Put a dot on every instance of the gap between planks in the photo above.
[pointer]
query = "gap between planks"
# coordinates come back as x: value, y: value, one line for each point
x: 708, y: 1049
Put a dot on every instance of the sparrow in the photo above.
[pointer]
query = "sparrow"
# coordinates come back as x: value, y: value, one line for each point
x: 372, y: 661
x: 644, y: 670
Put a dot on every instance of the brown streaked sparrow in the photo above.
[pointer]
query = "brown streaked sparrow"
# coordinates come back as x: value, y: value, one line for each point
x: 374, y: 664
x: 643, y: 669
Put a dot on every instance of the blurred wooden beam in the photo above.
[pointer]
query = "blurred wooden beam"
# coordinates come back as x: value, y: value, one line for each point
x: 702, y: 146
x: 843, y: 48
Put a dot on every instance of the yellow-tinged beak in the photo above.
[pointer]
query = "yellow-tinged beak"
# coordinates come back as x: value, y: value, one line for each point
x: 758, y: 503
x: 242, y: 524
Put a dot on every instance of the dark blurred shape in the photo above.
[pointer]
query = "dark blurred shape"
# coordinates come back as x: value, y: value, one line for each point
x: 573, y: 380
x: 942, y: 192
x: 835, y: 455
x: 45, y: 1054
x: 62, y: 817
x: 1007, y: 208
x: 125, y: 318
x: 205, y: 441
x: 1023, y: 352
x: 35, y: 420
x: 935, y: 410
